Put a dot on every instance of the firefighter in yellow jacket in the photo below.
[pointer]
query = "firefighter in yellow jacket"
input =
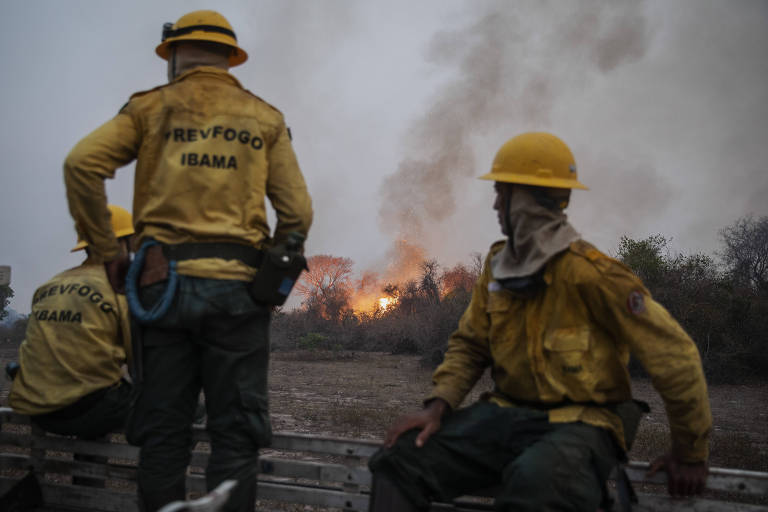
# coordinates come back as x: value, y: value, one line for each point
x: 70, y: 378
x: 555, y: 320
x: 208, y: 153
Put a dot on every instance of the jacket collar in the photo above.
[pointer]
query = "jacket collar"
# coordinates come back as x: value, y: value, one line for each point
x: 208, y: 72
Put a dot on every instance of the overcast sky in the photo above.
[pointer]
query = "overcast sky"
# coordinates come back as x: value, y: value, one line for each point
x: 396, y: 106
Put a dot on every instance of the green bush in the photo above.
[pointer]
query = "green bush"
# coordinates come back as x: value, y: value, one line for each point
x: 313, y: 341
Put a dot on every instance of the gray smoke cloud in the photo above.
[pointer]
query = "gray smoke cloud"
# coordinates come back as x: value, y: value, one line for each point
x: 666, y: 110
x: 511, y: 67
x: 397, y: 106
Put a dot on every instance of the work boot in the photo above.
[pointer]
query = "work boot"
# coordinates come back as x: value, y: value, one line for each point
x: 386, y: 496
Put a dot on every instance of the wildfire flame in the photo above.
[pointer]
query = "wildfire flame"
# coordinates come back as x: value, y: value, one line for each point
x: 386, y: 302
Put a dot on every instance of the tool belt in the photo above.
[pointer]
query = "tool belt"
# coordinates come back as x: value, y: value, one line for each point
x: 279, y: 267
x: 630, y: 412
x: 157, y: 257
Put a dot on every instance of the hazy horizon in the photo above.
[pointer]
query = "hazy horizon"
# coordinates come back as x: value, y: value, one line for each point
x: 396, y: 108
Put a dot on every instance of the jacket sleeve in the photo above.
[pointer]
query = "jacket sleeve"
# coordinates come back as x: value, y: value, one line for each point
x: 93, y: 159
x: 286, y: 189
x: 468, y: 353
x: 668, y: 354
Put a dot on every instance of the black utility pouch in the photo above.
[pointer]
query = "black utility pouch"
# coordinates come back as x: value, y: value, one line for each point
x: 631, y: 412
x: 279, y: 271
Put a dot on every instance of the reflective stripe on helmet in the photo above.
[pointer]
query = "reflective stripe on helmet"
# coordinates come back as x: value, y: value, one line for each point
x: 169, y: 31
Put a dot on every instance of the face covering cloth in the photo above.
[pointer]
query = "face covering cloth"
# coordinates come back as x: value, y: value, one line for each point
x: 535, y: 235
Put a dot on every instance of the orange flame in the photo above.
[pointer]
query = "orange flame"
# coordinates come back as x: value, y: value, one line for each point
x: 386, y: 302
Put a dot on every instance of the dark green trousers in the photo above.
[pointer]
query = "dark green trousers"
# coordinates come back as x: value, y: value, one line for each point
x: 540, y: 466
x: 214, y: 338
x: 94, y: 415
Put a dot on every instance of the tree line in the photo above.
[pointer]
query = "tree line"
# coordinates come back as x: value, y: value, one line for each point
x: 720, y: 300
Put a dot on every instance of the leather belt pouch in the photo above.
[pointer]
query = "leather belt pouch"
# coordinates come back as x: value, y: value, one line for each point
x: 155, y: 267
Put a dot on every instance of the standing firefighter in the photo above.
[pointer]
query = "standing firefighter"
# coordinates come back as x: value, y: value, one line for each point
x: 71, y: 361
x: 208, y: 152
x: 555, y: 320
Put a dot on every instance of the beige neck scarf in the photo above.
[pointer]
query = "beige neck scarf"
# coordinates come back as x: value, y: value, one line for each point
x: 536, y: 234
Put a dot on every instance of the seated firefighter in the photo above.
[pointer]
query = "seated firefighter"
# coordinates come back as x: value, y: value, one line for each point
x: 70, y: 378
x: 555, y: 320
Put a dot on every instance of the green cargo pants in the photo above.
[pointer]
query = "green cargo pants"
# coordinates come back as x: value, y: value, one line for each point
x: 214, y: 337
x: 539, y: 465
x: 94, y: 415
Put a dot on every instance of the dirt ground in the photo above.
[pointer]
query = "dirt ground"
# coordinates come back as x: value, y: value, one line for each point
x: 358, y: 395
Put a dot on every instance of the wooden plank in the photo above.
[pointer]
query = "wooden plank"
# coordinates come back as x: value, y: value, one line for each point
x: 318, y: 497
x: 310, y: 470
x: 14, y: 461
x: 656, y: 503
x: 719, y: 479
x: 15, y: 439
x: 91, y: 470
x: 199, y: 459
x: 8, y: 416
x: 73, y: 468
x: 296, y: 468
x: 70, y: 445
x: 289, y: 441
x: 89, y: 498
x: 327, y: 445
x: 102, y: 448
x: 290, y: 492
x: 273, y: 468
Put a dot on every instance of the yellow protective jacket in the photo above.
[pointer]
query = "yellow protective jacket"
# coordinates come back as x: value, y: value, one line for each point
x: 208, y: 152
x: 76, y: 342
x: 570, y: 343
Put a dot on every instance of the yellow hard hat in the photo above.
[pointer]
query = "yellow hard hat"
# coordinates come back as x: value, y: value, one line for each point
x: 201, y: 26
x: 535, y: 158
x: 122, y: 224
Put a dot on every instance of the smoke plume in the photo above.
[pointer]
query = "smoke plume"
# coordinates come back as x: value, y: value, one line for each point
x: 510, y: 67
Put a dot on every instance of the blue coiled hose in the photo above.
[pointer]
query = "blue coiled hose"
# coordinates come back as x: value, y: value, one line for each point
x: 160, y: 308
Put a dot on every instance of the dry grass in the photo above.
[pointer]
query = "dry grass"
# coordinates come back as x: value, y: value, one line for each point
x: 314, y: 355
